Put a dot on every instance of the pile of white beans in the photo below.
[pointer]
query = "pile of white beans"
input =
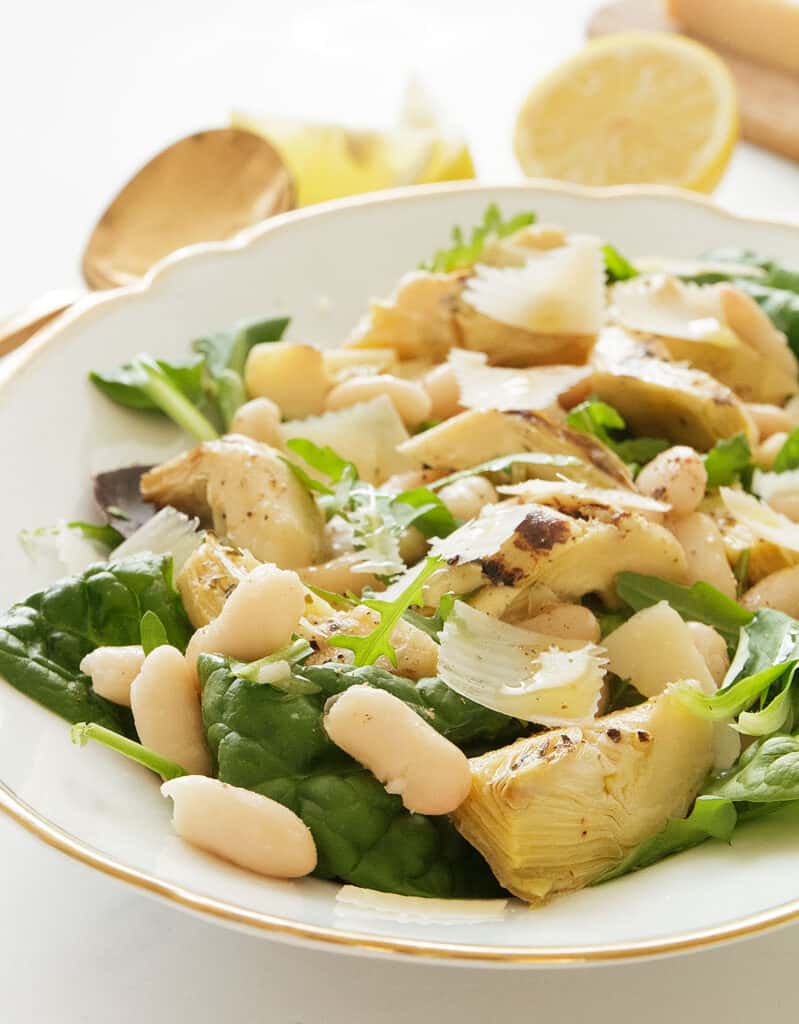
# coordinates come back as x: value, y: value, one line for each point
x: 377, y: 729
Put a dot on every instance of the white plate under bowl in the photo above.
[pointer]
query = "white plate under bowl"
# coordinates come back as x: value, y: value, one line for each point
x: 321, y: 266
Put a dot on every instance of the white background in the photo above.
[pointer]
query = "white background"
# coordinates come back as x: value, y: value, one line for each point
x: 88, y: 91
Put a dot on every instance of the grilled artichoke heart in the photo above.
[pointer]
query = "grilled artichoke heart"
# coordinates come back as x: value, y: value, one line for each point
x: 698, y: 325
x: 570, y: 554
x: 208, y: 576
x: 246, y: 494
x: 476, y: 436
x: 427, y: 316
x: 665, y: 399
x: 552, y: 812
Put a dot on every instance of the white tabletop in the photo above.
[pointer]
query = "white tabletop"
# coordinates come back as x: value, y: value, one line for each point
x: 90, y: 91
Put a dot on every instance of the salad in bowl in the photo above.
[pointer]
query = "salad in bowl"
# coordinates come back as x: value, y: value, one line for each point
x: 499, y: 597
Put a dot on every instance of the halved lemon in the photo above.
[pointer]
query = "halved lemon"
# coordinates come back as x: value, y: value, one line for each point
x: 329, y: 160
x: 632, y: 108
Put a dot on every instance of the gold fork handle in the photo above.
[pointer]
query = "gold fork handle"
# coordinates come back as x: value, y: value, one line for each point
x: 24, y: 324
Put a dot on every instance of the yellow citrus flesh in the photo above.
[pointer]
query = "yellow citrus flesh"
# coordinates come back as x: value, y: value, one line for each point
x: 328, y: 161
x: 632, y: 108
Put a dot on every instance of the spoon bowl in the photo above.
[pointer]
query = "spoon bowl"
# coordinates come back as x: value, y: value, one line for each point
x: 204, y: 187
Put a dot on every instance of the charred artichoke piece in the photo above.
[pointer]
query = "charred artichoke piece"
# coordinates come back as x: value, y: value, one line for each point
x: 208, y: 577
x: 427, y: 316
x: 665, y: 399
x: 246, y: 494
x: 552, y: 812
x: 473, y: 437
x: 520, y: 546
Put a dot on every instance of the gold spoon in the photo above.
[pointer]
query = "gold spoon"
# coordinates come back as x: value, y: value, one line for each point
x: 205, y: 187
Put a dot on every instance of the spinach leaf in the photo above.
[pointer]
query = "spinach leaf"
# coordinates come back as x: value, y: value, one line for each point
x: 788, y: 455
x: 712, y: 817
x: 463, y: 253
x: 152, y: 632
x: 275, y: 744
x: 770, y: 638
x: 617, y: 268
x: 766, y: 772
x: 698, y: 603
x: 44, y: 638
x: 727, y: 460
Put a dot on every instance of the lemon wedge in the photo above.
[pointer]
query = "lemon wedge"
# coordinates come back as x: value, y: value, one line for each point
x: 328, y: 160
x: 633, y: 107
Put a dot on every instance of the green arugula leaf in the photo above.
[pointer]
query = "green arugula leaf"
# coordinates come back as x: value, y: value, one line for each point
x: 597, y: 418
x: 463, y: 253
x: 152, y: 631
x: 505, y: 464
x: 82, y: 732
x: 711, y: 817
x: 698, y: 603
x: 103, y: 534
x: 173, y: 388
x: 727, y: 461
x: 432, y: 624
x: 377, y: 644
x: 727, y: 703
x: 277, y: 669
x: 428, y: 513
x: 617, y: 268
x: 224, y: 358
x: 788, y: 455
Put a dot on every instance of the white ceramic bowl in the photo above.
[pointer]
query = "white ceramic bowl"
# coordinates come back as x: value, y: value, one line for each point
x: 321, y: 266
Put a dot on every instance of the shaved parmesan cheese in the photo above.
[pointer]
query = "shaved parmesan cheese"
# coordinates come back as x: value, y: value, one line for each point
x: 763, y: 521
x: 663, y: 305
x: 58, y: 550
x: 484, y: 535
x: 519, y: 672
x: 418, y: 909
x: 366, y: 434
x: 497, y: 387
x: 768, y: 485
x: 545, y: 492
x: 557, y: 291
x: 169, y: 532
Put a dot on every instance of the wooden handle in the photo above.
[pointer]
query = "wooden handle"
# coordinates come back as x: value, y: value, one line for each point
x: 24, y: 324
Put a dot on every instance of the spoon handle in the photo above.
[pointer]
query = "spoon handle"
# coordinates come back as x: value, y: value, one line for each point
x: 25, y: 323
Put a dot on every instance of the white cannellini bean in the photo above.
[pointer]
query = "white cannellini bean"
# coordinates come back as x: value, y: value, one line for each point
x: 441, y: 384
x: 465, y: 498
x: 568, y: 621
x: 257, y: 619
x: 340, y: 574
x: 713, y: 648
x: 294, y: 376
x: 411, y: 401
x: 112, y: 671
x: 780, y: 590
x: 752, y: 325
x: 400, y: 749
x: 704, y: 549
x: 786, y: 504
x: 677, y: 476
x: 769, y: 419
x: 259, y: 419
x: 240, y: 826
x: 166, y: 710
x: 768, y: 451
